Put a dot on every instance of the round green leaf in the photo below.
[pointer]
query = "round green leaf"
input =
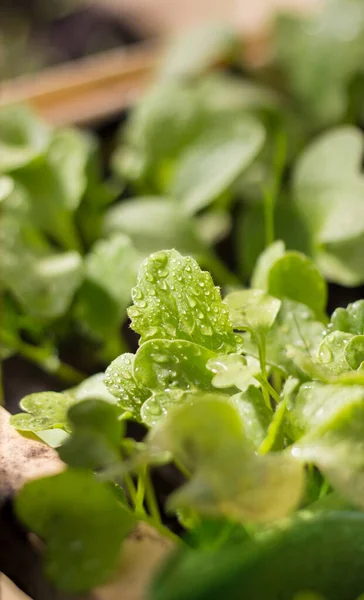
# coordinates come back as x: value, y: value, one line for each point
x: 295, y: 276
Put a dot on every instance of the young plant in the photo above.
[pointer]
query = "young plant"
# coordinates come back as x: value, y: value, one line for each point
x: 257, y: 400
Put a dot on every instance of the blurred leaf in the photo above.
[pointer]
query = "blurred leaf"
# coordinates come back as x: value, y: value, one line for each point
x: 154, y: 224
x: 111, y: 269
x: 227, y: 476
x: 294, y: 276
x: 83, y: 524
x: 214, y: 161
x: 23, y: 137
x: 192, y: 53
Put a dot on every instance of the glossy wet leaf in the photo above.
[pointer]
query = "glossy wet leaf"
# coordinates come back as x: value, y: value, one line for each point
x: 44, y: 410
x: 294, y: 276
x: 252, y: 310
x: 354, y: 352
x: 83, y: 525
x: 214, y: 161
x: 163, y: 365
x: 121, y: 383
x: 227, y: 476
x: 23, y: 137
x: 254, y: 413
x: 234, y: 370
x: 159, y: 404
x: 174, y: 299
x: 332, y: 352
x: 349, y: 319
x: 316, y: 404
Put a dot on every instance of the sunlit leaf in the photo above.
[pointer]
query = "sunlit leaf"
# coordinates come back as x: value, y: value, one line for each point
x: 174, y: 299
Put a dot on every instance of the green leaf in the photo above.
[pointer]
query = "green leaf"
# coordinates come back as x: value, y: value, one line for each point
x: 354, y: 352
x: 295, y: 276
x: 336, y: 446
x: 275, y: 437
x: 92, y: 388
x: 276, y: 565
x: 306, y: 45
x: 159, y: 404
x: 332, y: 352
x: 349, y: 319
x: 97, y: 415
x: 328, y: 190
x: 173, y: 364
x: 317, y: 404
x: 264, y: 264
x: 153, y: 224
x: 68, y: 155
x: 295, y: 327
x: 48, y: 202
x: 192, y: 53
x: 46, y: 410
x: 121, y: 383
x: 6, y: 187
x: 44, y: 285
x: 214, y: 161
x: 111, y: 269
x: 252, y: 310
x: 175, y: 299
x: 234, y: 370
x: 208, y: 437
x: 96, y: 435
x: 23, y: 137
x: 254, y: 414
x: 147, y: 156
x: 342, y: 262
x: 82, y: 523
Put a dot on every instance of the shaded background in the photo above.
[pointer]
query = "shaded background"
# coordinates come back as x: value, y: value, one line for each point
x: 36, y: 33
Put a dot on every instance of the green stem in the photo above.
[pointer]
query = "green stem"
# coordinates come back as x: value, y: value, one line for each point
x: 151, y: 499
x: 41, y: 357
x: 269, y: 389
x: 129, y: 484
x: 162, y: 529
x: 185, y: 472
x: 268, y: 216
x: 270, y: 195
x: 263, y: 369
x: 140, y: 493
